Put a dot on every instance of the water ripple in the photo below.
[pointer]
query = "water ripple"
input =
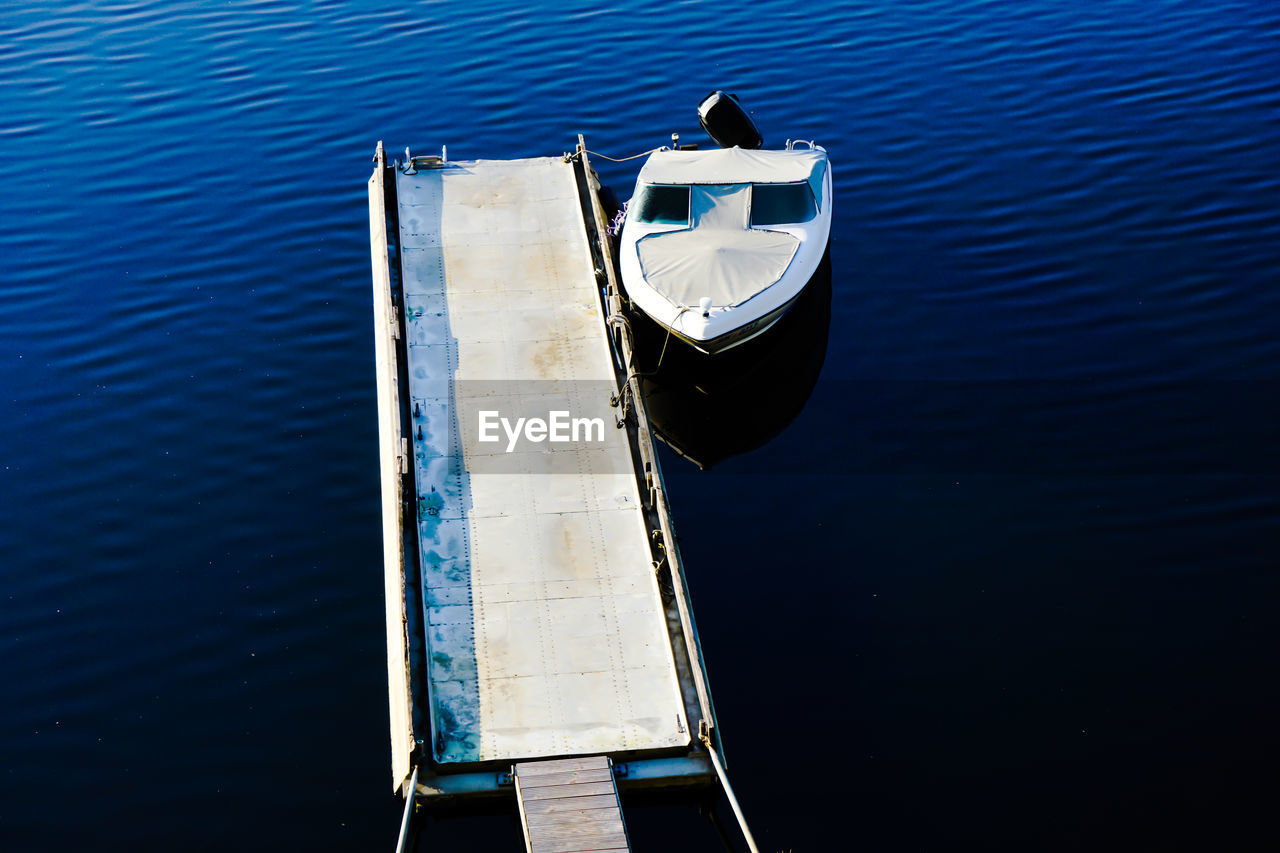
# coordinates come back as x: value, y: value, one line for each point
x: 190, y: 545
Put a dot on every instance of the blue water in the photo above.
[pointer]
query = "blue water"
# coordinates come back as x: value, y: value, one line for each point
x: 955, y: 604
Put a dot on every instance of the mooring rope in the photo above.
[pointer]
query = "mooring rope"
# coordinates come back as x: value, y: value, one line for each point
x: 631, y: 371
x: 614, y: 228
x: 625, y: 159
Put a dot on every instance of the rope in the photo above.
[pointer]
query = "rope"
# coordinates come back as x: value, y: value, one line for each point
x: 614, y: 228
x: 661, y: 355
x: 624, y: 159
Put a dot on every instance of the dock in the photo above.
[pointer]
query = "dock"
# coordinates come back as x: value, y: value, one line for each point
x: 540, y: 641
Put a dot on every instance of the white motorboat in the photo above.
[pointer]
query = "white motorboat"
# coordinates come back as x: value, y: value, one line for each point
x: 718, y: 244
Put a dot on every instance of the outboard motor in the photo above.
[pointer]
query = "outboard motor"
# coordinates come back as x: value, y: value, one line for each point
x: 726, y: 122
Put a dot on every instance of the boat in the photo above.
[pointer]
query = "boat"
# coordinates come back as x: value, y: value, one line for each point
x: 718, y: 244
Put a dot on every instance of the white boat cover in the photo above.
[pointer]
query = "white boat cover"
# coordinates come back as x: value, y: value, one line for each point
x: 730, y: 266
x: 736, y: 166
x: 720, y: 255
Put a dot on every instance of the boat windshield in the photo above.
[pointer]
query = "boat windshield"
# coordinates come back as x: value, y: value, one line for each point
x: 778, y: 204
x: 662, y: 204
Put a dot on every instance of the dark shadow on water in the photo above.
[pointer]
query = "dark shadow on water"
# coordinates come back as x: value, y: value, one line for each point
x: 709, y: 408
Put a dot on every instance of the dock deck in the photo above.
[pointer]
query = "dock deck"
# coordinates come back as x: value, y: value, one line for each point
x: 544, y: 626
x: 536, y: 602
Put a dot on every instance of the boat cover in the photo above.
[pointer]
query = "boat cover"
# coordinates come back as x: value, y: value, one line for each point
x: 730, y: 266
x: 720, y: 256
x: 736, y: 166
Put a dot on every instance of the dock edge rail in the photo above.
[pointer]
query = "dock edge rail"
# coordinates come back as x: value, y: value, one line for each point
x: 393, y: 455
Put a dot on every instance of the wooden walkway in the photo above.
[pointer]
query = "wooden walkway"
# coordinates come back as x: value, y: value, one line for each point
x: 570, y: 806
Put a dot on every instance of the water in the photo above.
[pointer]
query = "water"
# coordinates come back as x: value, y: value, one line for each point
x: 954, y: 603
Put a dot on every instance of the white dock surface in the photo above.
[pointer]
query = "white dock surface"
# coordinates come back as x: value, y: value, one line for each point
x: 544, y: 625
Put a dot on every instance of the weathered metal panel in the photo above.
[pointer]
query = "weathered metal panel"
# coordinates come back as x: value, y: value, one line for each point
x: 390, y: 449
x: 544, y: 625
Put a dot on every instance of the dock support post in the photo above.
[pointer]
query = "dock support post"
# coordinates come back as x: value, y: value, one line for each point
x: 728, y: 792
x: 408, y: 810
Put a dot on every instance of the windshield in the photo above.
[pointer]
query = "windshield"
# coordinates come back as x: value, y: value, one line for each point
x: 662, y: 204
x: 778, y: 204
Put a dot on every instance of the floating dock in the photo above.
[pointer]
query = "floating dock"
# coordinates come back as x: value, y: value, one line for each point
x: 537, y: 610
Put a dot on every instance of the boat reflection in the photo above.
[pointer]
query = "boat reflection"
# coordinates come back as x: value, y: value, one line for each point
x: 709, y: 408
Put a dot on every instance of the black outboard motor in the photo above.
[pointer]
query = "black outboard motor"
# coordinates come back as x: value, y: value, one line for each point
x: 725, y: 121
